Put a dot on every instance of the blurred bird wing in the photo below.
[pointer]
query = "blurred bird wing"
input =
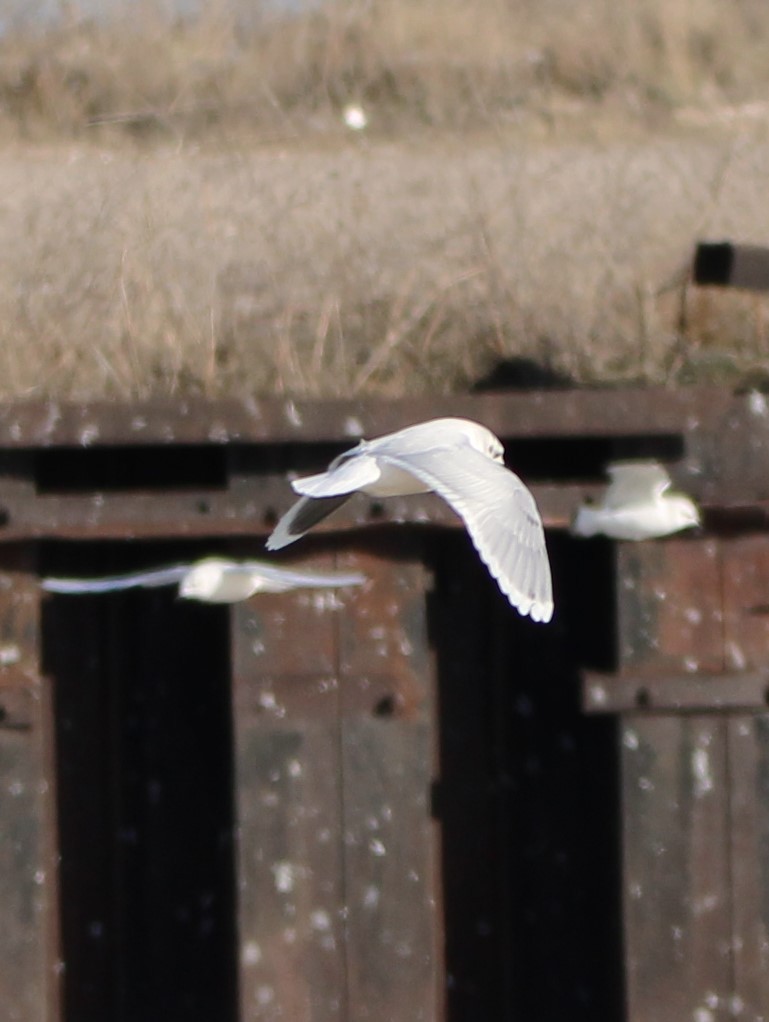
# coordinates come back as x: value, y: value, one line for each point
x: 635, y: 482
x: 501, y: 517
x: 113, y: 583
x: 278, y: 580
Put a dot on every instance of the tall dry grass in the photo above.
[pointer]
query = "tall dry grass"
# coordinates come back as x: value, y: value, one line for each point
x: 182, y: 211
x: 440, y: 62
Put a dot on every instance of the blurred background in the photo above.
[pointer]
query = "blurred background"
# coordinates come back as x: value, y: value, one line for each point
x: 374, y: 196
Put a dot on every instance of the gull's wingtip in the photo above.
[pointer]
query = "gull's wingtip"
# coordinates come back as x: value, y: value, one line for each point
x: 280, y: 535
x: 355, y: 578
x: 542, y: 613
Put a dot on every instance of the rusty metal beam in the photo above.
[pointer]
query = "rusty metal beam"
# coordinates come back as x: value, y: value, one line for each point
x: 724, y: 465
x: 612, y: 693
x: 596, y: 413
x: 246, y: 511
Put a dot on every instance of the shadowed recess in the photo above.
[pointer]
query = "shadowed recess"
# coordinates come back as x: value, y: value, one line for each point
x: 143, y: 749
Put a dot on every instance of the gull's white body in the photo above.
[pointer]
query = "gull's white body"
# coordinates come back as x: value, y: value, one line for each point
x: 211, y: 580
x: 636, y: 505
x: 463, y: 462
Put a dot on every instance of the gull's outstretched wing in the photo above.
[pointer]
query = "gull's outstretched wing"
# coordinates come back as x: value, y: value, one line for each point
x: 635, y: 482
x: 280, y: 579
x: 501, y: 517
x: 112, y: 583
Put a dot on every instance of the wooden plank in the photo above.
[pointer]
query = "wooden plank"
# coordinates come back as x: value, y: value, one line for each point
x: 394, y: 963
x: 29, y: 940
x: 669, y: 607
x: 676, y: 856
x: 748, y: 738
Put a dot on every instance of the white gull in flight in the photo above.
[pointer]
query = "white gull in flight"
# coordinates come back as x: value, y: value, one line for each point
x: 636, y: 505
x: 211, y: 580
x: 463, y: 462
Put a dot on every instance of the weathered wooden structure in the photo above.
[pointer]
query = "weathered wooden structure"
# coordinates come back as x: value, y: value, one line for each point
x: 404, y: 803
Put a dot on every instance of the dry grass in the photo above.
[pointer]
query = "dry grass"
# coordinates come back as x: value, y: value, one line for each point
x: 415, y: 62
x: 182, y: 210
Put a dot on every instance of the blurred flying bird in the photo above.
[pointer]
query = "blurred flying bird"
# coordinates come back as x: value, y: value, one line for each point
x: 211, y: 580
x: 463, y: 462
x: 354, y: 116
x: 636, y: 505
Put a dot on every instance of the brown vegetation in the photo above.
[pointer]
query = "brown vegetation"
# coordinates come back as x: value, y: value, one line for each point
x: 183, y: 209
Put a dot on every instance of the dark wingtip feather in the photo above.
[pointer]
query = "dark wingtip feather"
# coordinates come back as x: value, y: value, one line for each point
x: 301, y: 517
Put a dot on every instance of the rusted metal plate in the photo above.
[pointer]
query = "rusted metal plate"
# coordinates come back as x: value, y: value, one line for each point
x: 290, y: 873
x: 390, y: 843
x: 745, y: 562
x: 288, y: 810
x: 613, y: 693
x: 748, y: 748
x: 275, y: 420
x: 335, y: 843
x: 394, y: 966
x: 383, y: 648
x: 669, y: 607
x: 719, y: 453
x: 29, y: 942
x: 249, y: 511
x: 676, y: 868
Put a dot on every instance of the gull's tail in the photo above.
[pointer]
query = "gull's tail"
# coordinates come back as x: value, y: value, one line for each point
x: 301, y: 517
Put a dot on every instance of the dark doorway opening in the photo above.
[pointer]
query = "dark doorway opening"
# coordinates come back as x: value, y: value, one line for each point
x: 528, y: 794
x: 144, y: 765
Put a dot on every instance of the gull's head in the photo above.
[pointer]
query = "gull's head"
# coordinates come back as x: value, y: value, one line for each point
x: 202, y: 580
x: 483, y: 440
x: 684, y: 513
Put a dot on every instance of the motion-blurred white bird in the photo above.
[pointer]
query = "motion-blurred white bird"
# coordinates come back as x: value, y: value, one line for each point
x: 636, y: 505
x: 463, y: 462
x: 211, y: 580
x: 354, y: 116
